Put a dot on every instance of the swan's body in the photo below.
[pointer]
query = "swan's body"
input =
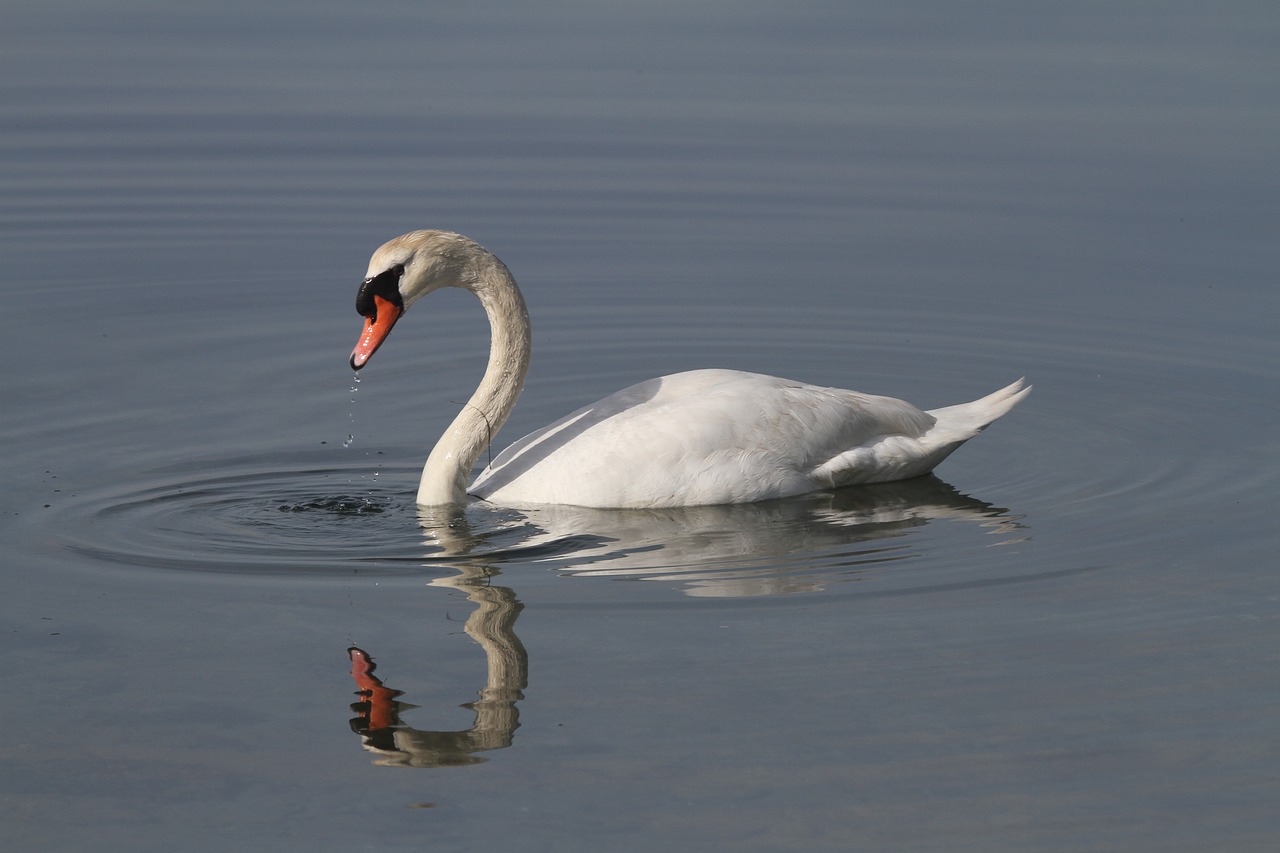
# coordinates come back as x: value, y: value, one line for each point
x: 689, y: 439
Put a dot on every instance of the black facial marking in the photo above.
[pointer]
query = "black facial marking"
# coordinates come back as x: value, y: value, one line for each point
x: 385, y: 284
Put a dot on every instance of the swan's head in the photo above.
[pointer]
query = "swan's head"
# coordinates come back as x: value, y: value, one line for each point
x: 404, y: 270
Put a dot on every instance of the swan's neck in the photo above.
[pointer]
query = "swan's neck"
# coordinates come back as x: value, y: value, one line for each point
x: 444, y: 477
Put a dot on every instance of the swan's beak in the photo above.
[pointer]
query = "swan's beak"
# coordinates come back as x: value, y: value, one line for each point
x: 376, y: 328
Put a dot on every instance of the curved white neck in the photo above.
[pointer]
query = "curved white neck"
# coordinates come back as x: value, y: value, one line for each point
x: 444, y: 477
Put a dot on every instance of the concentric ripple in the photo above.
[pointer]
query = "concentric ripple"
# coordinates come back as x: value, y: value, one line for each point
x: 243, y: 517
x: 299, y: 518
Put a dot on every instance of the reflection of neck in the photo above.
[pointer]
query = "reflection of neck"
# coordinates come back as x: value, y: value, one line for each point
x: 444, y: 477
x: 492, y: 625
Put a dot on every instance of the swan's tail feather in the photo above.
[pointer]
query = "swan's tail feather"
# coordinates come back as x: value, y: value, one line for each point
x: 963, y: 422
x: 899, y: 457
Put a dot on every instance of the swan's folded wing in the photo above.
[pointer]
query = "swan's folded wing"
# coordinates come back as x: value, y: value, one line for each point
x: 703, y: 437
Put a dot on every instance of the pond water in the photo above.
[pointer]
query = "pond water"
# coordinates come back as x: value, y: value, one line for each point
x: 227, y: 625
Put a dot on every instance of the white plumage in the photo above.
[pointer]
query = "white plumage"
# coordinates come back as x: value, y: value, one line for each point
x: 689, y: 439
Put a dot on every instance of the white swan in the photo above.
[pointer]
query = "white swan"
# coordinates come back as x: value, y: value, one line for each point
x: 689, y: 439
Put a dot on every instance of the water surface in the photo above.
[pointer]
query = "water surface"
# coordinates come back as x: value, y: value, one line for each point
x: 1066, y: 639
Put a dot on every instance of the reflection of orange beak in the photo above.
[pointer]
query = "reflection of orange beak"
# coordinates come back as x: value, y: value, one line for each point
x: 376, y: 329
x: 379, y: 706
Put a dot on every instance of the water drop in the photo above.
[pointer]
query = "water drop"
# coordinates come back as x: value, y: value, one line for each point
x: 351, y: 411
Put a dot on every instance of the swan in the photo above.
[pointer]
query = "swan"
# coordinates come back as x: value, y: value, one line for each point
x: 697, y: 438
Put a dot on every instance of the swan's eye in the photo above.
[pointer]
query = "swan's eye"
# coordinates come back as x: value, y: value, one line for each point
x: 385, y: 284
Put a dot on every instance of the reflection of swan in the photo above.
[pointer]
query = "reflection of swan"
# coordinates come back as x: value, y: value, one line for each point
x: 768, y: 548
x: 492, y: 625
x: 696, y: 438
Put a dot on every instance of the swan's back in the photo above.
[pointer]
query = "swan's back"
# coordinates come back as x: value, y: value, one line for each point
x: 723, y: 436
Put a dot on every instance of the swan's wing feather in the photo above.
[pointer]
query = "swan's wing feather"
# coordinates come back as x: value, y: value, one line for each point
x: 702, y: 437
x: 587, y: 416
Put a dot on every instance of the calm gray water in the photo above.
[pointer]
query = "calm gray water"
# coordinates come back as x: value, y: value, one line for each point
x: 1069, y: 639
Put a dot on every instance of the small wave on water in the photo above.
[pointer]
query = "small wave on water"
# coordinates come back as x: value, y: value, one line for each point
x: 341, y: 505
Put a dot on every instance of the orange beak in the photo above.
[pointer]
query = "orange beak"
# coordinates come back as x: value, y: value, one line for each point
x: 376, y: 329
